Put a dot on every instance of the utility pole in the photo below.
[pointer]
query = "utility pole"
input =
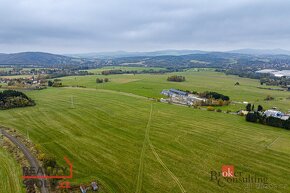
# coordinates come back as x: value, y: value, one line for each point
x: 27, y: 134
x: 72, y: 102
x: 1, y: 138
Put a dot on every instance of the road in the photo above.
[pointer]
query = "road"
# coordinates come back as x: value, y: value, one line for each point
x: 31, y: 159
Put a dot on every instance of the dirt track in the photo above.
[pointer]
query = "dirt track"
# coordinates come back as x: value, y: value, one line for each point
x: 31, y: 159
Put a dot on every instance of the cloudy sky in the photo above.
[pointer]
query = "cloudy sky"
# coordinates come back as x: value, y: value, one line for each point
x: 79, y: 26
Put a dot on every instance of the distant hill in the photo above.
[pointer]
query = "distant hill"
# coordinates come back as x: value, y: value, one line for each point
x: 36, y: 58
x: 261, y: 51
x: 120, y: 54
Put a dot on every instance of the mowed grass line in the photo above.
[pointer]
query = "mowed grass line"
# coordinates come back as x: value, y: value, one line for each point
x: 144, y: 147
x: 103, y: 135
x: 141, y: 164
x: 206, y: 146
x: 100, y: 134
x: 10, y: 174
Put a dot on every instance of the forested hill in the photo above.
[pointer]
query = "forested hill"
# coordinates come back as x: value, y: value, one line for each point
x: 37, y: 58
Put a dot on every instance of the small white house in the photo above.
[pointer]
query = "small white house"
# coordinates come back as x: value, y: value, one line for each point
x: 274, y: 113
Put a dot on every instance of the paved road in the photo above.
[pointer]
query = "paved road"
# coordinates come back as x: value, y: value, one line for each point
x: 31, y: 159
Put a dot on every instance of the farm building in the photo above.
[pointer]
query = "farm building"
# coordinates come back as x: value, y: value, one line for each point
x: 274, y: 113
x: 181, y: 97
x: 172, y: 92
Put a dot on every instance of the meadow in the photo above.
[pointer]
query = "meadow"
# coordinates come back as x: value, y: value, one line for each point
x: 115, y: 134
x: 10, y: 174
x: 131, y: 144
x: 123, y: 68
x: 151, y: 85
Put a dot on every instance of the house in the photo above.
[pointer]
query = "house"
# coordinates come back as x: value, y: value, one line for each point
x: 273, y: 113
x: 285, y: 117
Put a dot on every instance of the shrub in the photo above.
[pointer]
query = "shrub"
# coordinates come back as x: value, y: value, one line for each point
x: 214, y: 95
x: 269, y: 98
x: 99, y: 80
x: 210, y: 108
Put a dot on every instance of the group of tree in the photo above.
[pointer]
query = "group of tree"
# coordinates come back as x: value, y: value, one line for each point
x: 13, y: 99
x: 115, y: 71
x: 257, y: 116
x: 100, y: 80
x: 214, y: 95
x: 145, y: 71
x: 54, y: 83
x: 176, y: 78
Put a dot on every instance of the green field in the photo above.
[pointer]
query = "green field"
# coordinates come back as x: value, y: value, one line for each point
x: 16, y: 76
x: 151, y: 85
x: 10, y: 174
x: 130, y: 144
x: 5, y: 69
x: 107, y: 136
x: 124, y: 68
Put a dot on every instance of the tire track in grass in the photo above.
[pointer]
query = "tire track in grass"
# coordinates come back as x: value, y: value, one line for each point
x: 165, y: 167
x: 141, y: 162
x: 141, y: 166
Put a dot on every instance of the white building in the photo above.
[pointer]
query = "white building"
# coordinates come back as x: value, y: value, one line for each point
x: 274, y: 113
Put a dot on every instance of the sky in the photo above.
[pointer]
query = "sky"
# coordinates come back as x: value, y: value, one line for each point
x: 85, y: 26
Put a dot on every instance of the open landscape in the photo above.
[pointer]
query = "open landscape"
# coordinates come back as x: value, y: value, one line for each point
x: 174, y: 147
x: 123, y: 96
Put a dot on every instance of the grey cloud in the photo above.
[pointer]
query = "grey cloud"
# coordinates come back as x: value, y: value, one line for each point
x: 66, y: 26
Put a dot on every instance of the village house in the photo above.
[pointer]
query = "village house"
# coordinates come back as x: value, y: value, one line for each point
x: 277, y: 114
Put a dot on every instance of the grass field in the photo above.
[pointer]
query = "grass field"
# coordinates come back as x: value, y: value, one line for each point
x: 151, y: 85
x: 5, y: 69
x: 17, y: 76
x: 132, y: 145
x: 124, y: 68
x: 10, y: 174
